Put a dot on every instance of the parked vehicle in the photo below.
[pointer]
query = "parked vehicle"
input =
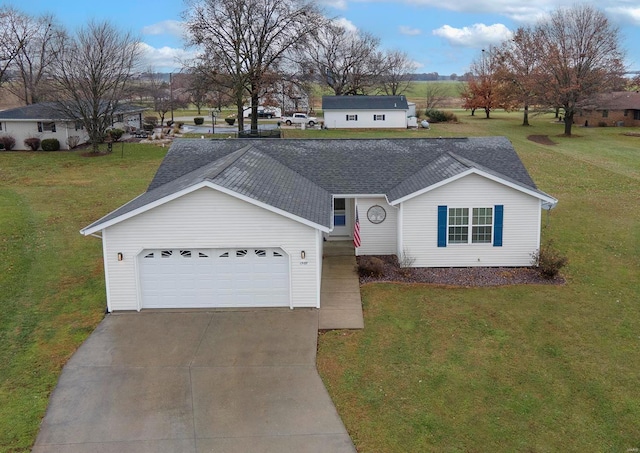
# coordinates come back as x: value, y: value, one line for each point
x: 300, y: 118
x: 263, y: 112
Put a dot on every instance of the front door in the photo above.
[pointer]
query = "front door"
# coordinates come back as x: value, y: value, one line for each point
x: 342, y: 223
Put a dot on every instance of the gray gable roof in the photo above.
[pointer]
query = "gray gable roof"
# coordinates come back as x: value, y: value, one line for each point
x: 51, y: 111
x: 364, y: 103
x: 300, y: 176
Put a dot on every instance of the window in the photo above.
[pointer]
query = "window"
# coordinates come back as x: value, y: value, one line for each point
x: 339, y: 212
x: 120, y: 118
x: 605, y: 113
x: 79, y: 125
x: 46, y: 126
x: 636, y: 114
x: 458, y: 225
x: 481, y: 226
x: 378, y: 117
x: 352, y: 117
x: 0, y: 125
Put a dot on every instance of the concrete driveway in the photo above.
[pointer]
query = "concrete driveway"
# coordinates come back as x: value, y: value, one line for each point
x: 224, y: 381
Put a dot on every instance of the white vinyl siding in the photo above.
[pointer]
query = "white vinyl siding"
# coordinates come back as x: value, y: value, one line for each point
x: 380, y: 238
x: 23, y: 129
x: 521, y: 225
x: 208, y: 219
x: 338, y: 119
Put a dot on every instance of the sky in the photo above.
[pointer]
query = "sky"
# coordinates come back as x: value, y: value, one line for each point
x: 442, y: 36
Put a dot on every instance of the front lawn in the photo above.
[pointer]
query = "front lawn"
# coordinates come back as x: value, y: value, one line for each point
x: 517, y: 368
x: 52, y: 292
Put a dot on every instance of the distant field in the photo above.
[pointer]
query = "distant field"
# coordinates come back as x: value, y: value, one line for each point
x: 446, y: 88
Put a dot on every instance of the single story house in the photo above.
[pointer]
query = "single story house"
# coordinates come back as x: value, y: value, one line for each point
x: 617, y: 108
x: 47, y: 120
x: 242, y: 223
x: 358, y: 112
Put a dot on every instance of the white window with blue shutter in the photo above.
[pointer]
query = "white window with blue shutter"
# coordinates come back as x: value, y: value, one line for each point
x: 462, y: 225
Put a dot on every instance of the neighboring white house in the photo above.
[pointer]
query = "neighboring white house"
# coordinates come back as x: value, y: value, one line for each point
x: 242, y: 223
x: 46, y: 120
x: 358, y: 112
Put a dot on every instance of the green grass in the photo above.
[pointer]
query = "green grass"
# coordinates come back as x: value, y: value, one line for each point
x: 526, y: 368
x: 418, y: 90
x: 523, y: 368
x: 51, y: 278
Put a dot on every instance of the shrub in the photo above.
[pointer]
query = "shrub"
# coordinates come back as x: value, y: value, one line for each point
x: 451, y: 117
x: 33, y: 143
x: 198, y: 120
x: 370, y: 266
x: 148, y: 127
x: 548, y: 260
x: 153, y: 120
x: 602, y: 124
x: 50, y: 144
x: 435, y: 116
x: 8, y: 142
x: 116, y: 134
x: 230, y: 121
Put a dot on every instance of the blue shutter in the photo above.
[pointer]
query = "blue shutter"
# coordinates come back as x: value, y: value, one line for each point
x: 497, y: 227
x: 442, y: 226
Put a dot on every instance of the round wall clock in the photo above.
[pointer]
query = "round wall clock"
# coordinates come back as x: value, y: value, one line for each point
x: 376, y: 214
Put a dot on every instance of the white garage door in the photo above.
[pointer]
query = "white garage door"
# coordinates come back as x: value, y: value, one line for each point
x: 206, y: 278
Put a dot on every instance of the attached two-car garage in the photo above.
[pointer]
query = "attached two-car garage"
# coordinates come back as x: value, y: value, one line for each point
x: 214, y: 278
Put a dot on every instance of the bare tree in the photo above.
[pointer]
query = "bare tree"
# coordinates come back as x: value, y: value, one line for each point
x: 35, y: 57
x: 521, y: 67
x: 247, y: 40
x: 92, y: 72
x: 159, y: 91
x: 397, y: 72
x: 582, y: 56
x: 348, y: 62
x: 11, y: 40
x: 435, y: 93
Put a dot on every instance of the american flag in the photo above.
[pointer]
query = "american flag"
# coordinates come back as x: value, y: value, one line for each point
x: 356, y: 231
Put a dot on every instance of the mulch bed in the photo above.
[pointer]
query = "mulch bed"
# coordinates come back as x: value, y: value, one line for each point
x: 542, y: 139
x: 458, y: 276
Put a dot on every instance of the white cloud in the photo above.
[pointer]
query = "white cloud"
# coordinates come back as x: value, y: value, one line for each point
x: 519, y: 10
x: 164, y: 58
x: 476, y: 36
x: 626, y: 14
x: 337, y: 4
x: 346, y: 24
x: 166, y: 27
x: 409, y: 31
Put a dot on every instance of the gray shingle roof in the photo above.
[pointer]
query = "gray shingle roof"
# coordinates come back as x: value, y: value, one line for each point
x: 364, y: 103
x: 301, y: 176
x: 50, y: 111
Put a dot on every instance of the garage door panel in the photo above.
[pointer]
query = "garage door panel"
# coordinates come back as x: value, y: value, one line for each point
x: 204, y: 278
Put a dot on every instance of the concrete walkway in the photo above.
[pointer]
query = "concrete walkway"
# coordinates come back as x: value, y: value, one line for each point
x: 340, y: 302
x: 224, y: 381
